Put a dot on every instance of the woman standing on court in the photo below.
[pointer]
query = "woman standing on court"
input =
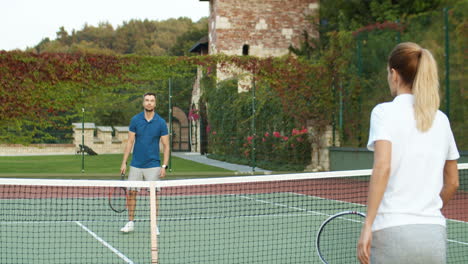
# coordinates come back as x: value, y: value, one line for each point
x: 415, y: 169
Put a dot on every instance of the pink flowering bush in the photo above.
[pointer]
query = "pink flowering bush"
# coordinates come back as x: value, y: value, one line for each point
x: 193, y: 115
x: 269, y: 139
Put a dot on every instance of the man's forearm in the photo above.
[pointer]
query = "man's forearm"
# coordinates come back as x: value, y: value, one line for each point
x: 166, y: 149
x: 126, y: 153
x: 166, y: 156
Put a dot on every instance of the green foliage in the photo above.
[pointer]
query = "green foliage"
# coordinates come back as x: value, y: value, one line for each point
x: 266, y: 137
x: 42, y: 94
x: 349, y: 15
x: 39, y: 92
x: 359, y: 80
x: 146, y: 38
x: 269, y: 129
x: 186, y: 41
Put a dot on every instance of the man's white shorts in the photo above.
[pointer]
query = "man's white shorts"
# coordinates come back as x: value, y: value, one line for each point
x: 147, y: 174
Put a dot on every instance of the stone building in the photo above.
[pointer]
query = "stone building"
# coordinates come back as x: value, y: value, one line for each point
x: 259, y: 28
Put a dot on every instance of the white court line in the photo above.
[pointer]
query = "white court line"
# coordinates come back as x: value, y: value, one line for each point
x: 318, y: 213
x: 47, y: 222
x: 103, y: 242
x: 284, y: 205
x: 458, y: 242
x: 227, y: 217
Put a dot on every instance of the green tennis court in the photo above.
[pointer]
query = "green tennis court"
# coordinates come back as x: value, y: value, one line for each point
x: 215, y: 233
x: 257, y: 219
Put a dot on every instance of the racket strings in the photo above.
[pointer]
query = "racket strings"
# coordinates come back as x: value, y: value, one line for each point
x: 338, y: 239
x: 118, y: 199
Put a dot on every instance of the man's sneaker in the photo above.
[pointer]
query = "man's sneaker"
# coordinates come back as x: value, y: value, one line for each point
x: 129, y: 227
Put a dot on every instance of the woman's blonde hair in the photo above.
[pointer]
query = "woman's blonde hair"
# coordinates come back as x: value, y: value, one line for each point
x: 418, y: 69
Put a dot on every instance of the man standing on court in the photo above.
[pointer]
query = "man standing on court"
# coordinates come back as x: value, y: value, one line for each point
x: 147, y: 129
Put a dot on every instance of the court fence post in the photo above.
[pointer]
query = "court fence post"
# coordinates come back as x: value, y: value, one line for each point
x: 82, y: 141
x: 447, y: 62
x: 170, y: 125
x: 254, y: 130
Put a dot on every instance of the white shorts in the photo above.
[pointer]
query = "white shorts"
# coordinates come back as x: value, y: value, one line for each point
x: 147, y: 174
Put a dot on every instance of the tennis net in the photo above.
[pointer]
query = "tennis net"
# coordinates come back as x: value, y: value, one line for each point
x: 251, y: 219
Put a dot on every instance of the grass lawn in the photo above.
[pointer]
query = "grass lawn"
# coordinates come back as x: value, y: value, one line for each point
x: 96, y: 167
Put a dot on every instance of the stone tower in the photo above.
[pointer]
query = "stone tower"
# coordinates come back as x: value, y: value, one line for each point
x: 259, y: 28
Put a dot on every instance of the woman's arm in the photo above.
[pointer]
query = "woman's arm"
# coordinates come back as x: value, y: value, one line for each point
x: 377, y: 186
x: 451, y: 181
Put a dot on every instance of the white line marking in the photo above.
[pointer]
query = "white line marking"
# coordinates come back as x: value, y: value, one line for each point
x: 103, y: 242
x: 458, y: 242
x: 283, y: 205
x: 318, y: 213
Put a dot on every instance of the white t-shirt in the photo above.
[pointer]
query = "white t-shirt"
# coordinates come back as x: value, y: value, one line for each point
x: 417, y: 164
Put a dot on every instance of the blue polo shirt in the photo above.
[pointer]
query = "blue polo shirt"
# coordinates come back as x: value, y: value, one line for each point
x: 147, y: 137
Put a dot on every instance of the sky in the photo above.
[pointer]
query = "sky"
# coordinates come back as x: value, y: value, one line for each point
x: 24, y: 23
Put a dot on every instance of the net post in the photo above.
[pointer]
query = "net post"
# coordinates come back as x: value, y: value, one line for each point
x: 153, y: 223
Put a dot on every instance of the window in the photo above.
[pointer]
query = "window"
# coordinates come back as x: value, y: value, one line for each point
x: 245, y: 50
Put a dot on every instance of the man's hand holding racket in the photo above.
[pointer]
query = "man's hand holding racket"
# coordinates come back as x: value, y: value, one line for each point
x: 123, y: 168
x: 118, y: 197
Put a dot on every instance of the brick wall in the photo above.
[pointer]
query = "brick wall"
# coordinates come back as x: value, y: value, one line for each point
x: 268, y: 27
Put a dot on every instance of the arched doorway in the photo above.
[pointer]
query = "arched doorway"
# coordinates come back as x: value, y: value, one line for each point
x: 180, y: 130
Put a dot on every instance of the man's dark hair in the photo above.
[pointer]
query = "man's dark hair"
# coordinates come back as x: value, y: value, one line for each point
x: 153, y: 94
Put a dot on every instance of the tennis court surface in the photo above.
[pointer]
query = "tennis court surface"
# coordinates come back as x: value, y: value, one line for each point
x: 255, y: 219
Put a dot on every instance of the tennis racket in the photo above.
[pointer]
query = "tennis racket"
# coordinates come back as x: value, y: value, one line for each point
x: 337, y: 237
x: 118, y: 198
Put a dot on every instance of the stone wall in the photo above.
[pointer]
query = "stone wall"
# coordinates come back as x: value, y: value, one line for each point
x: 101, y: 139
x: 263, y: 27
x: 321, y: 143
x: 36, y: 149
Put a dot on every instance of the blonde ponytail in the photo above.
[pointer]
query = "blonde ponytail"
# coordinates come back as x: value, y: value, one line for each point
x: 426, y: 91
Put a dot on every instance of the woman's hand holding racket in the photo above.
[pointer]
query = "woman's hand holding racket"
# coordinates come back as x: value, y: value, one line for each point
x: 363, y: 248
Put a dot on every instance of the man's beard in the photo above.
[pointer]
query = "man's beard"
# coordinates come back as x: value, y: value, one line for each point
x: 149, y: 110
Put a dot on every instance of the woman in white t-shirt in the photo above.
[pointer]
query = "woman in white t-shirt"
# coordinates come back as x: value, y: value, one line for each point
x: 415, y: 166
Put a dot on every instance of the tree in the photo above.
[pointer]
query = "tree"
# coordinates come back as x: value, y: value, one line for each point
x: 185, y: 41
x: 38, y: 47
x: 103, y: 35
x: 353, y: 14
x: 153, y: 38
x: 63, y: 37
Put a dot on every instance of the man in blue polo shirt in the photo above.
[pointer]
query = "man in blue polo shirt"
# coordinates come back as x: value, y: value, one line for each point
x: 147, y: 129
